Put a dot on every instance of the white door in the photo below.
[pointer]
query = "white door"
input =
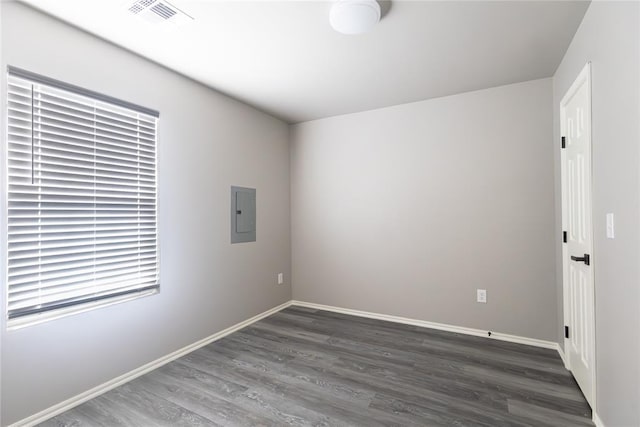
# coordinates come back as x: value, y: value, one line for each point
x: 578, y: 260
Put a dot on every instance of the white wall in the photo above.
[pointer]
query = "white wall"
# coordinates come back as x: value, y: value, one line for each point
x: 609, y: 37
x: 403, y: 210
x: 207, y: 143
x: 407, y: 210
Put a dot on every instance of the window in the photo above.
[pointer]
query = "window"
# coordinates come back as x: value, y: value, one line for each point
x: 82, y: 197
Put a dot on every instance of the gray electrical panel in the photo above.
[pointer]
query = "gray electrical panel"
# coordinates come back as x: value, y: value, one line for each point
x: 243, y: 214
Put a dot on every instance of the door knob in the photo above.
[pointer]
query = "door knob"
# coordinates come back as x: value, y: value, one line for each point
x: 584, y: 258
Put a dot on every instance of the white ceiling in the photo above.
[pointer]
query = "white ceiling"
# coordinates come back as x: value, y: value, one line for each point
x: 284, y: 58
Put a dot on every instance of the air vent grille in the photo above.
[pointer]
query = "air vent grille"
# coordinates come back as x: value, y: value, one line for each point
x: 163, y: 11
x: 156, y: 11
x: 141, y: 5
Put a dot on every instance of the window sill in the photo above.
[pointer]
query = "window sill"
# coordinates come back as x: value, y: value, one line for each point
x: 35, y: 319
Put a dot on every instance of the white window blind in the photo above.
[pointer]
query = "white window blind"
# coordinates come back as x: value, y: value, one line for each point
x: 82, y: 218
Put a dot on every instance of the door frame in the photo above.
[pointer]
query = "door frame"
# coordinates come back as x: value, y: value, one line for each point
x: 585, y: 74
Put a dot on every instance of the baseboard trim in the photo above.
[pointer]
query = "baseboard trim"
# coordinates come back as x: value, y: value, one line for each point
x: 596, y: 419
x: 562, y: 356
x: 111, y: 384
x: 433, y: 325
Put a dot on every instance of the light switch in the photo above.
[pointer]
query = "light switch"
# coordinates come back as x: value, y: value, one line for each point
x: 611, y: 233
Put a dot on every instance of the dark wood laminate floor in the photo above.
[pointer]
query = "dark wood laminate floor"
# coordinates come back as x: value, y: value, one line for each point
x: 307, y: 367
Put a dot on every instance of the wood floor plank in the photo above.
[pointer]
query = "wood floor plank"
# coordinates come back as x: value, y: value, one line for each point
x: 131, y: 405
x: 263, y: 396
x: 544, y: 416
x: 212, y: 399
x: 308, y: 367
x: 321, y: 385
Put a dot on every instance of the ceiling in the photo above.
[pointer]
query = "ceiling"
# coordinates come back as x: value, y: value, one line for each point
x: 284, y: 58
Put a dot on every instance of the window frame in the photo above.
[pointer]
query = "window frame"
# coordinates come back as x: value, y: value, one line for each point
x: 114, y: 296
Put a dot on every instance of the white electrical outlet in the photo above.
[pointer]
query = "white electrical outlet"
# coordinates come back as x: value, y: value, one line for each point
x: 481, y: 295
x: 280, y: 278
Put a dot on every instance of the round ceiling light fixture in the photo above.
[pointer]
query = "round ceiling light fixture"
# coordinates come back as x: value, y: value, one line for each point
x: 354, y: 16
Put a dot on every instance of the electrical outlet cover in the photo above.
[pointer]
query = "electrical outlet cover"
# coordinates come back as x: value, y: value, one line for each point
x: 481, y: 295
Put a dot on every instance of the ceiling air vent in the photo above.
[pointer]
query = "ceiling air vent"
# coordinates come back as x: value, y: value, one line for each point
x: 156, y: 11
